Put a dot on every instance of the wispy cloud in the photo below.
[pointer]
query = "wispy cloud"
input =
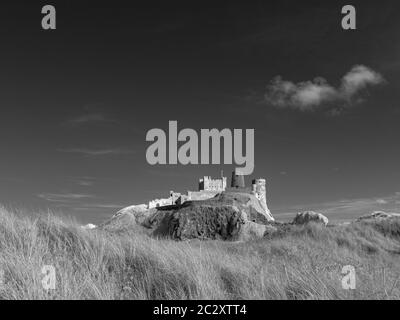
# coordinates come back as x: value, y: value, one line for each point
x: 309, y: 95
x: 97, y: 152
x: 91, y: 118
x: 84, y: 181
x: 93, y: 206
x: 64, y: 197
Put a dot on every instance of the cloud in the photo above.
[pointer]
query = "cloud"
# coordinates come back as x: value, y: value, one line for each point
x: 378, y: 203
x: 92, y: 206
x: 64, y: 197
x: 90, y: 118
x: 85, y: 181
x: 358, y: 78
x: 308, y: 95
x: 97, y: 152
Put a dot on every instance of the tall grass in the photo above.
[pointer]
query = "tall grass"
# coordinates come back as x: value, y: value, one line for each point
x: 299, y: 263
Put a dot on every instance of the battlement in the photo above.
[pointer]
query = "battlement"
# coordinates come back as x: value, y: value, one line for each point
x: 209, y: 184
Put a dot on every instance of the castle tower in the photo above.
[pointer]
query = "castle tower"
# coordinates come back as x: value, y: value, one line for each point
x: 260, y: 190
x: 209, y: 184
x: 237, y: 180
x: 201, y: 184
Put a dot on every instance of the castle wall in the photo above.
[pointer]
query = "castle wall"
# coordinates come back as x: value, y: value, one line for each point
x: 209, y: 184
x: 201, y: 195
x: 160, y: 203
x: 209, y: 188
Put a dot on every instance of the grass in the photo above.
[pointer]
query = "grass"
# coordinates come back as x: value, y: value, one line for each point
x: 297, y: 263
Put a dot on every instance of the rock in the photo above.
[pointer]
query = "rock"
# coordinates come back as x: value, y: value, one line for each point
x: 270, y: 230
x: 201, y: 221
x: 138, y: 212
x: 132, y: 209
x: 131, y: 218
x: 310, y: 216
x: 207, y: 220
x: 251, y: 230
x: 256, y: 209
x: 379, y: 215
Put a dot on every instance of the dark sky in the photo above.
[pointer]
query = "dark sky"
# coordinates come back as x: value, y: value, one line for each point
x: 76, y: 102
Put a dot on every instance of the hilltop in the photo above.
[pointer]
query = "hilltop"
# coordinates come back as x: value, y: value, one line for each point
x: 227, y: 216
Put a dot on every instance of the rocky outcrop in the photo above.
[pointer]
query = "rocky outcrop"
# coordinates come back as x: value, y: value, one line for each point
x: 256, y: 210
x: 208, y: 221
x: 201, y: 221
x: 128, y: 219
x: 228, y: 216
x: 139, y: 213
x: 378, y: 215
x: 251, y: 230
x: 310, y: 216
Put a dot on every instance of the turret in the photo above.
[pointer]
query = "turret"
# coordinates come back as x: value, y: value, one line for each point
x: 259, y: 189
x: 237, y: 180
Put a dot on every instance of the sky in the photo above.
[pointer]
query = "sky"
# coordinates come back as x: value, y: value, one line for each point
x: 76, y: 102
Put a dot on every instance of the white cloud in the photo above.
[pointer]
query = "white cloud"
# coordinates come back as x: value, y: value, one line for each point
x: 358, y: 78
x: 90, y: 118
x: 64, y: 197
x: 102, y: 206
x: 308, y: 95
x: 85, y: 183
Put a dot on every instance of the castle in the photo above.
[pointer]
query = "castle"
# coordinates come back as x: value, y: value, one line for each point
x: 209, y: 188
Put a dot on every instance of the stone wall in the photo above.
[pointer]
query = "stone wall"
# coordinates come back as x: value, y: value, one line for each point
x: 160, y: 203
x: 201, y: 195
x: 209, y: 188
x: 209, y: 184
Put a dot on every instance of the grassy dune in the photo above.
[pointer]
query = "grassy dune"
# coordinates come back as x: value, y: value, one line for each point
x: 298, y: 263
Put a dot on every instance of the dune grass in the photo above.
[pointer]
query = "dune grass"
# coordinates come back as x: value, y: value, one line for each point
x: 298, y: 263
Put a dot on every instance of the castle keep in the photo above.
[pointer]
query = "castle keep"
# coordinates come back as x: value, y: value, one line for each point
x: 208, y: 188
x: 209, y: 184
x: 237, y: 180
